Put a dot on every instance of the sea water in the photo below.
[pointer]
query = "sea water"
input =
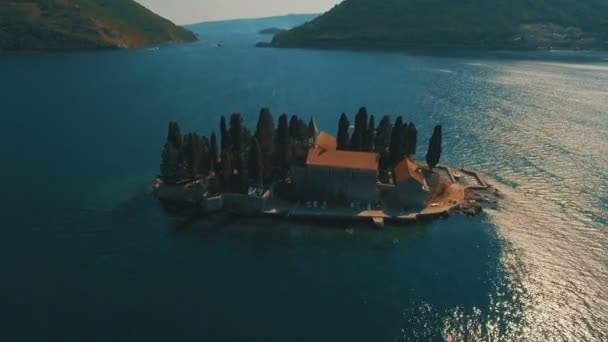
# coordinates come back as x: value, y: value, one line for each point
x: 87, y: 254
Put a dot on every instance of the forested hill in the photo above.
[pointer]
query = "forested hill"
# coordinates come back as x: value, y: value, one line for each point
x: 493, y: 24
x: 83, y: 24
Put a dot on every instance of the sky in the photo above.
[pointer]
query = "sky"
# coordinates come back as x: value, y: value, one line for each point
x: 193, y: 11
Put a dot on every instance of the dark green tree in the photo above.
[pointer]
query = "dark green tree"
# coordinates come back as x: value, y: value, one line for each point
x: 434, y: 153
x: 195, y: 151
x: 397, y: 150
x: 242, y: 177
x: 282, y: 147
x: 343, y: 138
x: 256, y: 166
x: 237, y: 138
x: 370, y: 135
x: 383, y: 136
x: 168, y: 166
x: 184, y: 160
x: 205, y: 164
x: 412, y: 136
x: 174, y: 135
x: 170, y: 155
x: 224, y: 135
x: 227, y: 172
x: 213, y: 154
x: 382, y: 144
x: 357, y: 140
x: 265, y: 136
x: 298, y: 134
x: 294, y: 128
x: 405, y: 140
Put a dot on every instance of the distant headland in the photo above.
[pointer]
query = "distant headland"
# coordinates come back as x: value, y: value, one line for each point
x: 40, y: 25
x: 445, y: 24
x: 294, y: 170
x: 272, y: 30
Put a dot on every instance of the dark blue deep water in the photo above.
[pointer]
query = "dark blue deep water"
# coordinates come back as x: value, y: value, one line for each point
x: 86, y: 254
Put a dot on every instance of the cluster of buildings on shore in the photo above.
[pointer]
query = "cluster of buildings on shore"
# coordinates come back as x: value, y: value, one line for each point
x: 338, y: 176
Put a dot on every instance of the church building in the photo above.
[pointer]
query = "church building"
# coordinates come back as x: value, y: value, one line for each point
x: 333, y: 175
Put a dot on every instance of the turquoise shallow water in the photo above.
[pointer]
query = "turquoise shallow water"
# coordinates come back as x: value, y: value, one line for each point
x: 87, y: 254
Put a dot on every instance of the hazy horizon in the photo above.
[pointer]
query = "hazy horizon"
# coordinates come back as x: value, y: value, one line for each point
x: 185, y: 12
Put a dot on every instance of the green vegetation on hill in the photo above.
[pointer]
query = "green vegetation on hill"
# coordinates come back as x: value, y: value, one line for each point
x: 518, y: 24
x: 83, y: 24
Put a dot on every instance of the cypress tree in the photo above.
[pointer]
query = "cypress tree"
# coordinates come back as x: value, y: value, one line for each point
x: 396, y: 146
x: 357, y: 140
x: 226, y: 174
x: 434, y: 153
x: 174, y: 135
x: 405, y: 140
x: 370, y: 135
x: 294, y: 128
x: 168, y: 166
x: 265, y: 136
x: 213, y: 154
x: 195, y: 157
x: 205, y: 164
x: 282, y: 146
x: 383, y: 136
x: 237, y: 138
x: 343, y: 138
x: 170, y: 155
x: 224, y: 135
x: 242, y: 183
x: 300, y: 143
x: 413, y: 139
x: 184, y: 159
x: 256, y: 166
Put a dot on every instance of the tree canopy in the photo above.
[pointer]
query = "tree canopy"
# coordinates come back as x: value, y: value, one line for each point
x: 243, y: 159
x: 434, y: 152
x: 343, y: 138
x: 486, y: 24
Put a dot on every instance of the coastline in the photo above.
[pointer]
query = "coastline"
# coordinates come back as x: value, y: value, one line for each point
x: 468, y: 194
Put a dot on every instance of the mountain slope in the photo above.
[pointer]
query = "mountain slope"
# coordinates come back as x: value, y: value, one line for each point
x: 83, y: 24
x: 525, y: 24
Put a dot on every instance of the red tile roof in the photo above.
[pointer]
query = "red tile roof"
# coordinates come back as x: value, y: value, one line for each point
x: 326, y: 141
x: 342, y: 159
x: 408, y: 169
x: 325, y: 153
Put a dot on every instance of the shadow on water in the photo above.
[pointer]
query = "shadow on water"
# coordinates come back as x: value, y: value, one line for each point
x: 424, y: 278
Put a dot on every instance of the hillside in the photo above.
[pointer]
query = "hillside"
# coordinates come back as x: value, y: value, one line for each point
x: 83, y: 24
x: 493, y: 24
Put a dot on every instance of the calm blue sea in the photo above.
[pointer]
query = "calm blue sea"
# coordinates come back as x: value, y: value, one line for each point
x: 87, y: 255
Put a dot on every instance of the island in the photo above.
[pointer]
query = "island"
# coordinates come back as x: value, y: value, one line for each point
x: 367, y: 172
x: 58, y: 25
x: 272, y: 30
x: 448, y: 24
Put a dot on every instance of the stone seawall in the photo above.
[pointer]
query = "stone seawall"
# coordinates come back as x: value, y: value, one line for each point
x: 197, y: 198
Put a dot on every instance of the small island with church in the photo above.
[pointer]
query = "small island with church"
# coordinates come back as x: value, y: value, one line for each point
x: 367, y: 172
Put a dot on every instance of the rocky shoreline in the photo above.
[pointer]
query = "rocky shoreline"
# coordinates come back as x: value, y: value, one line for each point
x: 467, y: 193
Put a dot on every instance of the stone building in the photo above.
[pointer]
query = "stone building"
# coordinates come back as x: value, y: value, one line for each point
x: 411, y: 186
x: 333, y: 175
